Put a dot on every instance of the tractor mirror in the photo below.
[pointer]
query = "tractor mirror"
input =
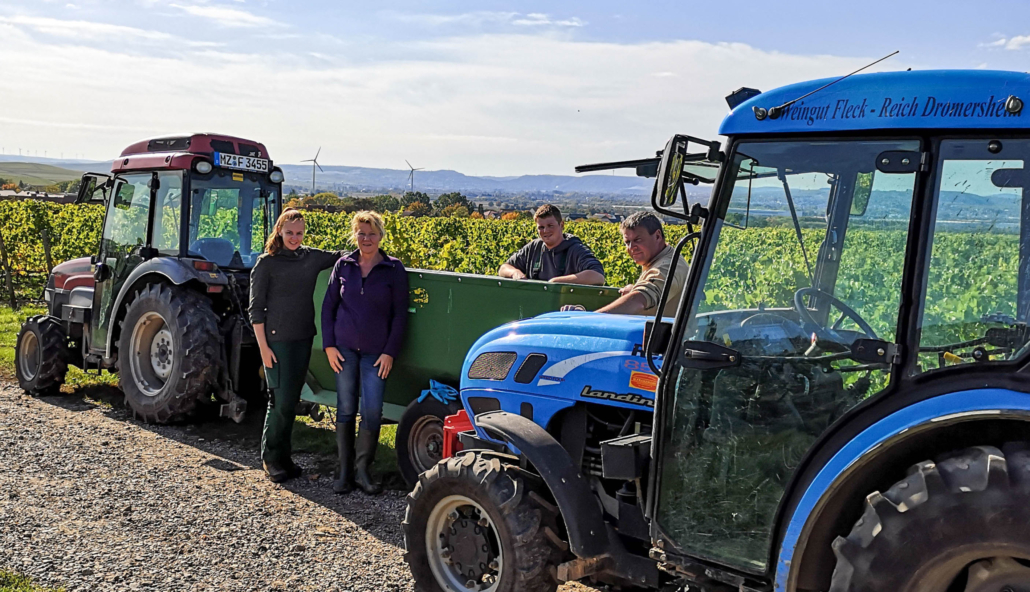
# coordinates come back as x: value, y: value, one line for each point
x: 670, y: 172
x: 93, y: 188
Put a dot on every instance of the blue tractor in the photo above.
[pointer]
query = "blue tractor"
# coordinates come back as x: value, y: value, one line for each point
x: 842, y: 401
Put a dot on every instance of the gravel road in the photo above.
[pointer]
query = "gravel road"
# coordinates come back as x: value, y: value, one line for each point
x: 92, y: 499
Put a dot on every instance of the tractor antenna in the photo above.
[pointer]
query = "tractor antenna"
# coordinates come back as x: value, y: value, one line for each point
x: 314, y: 163
x: 411, y: 175
x: 775, y: 112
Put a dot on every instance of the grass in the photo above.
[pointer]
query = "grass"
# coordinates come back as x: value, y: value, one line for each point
x: 315, y: 437
x: 320, y: 438
x: 36, y: 174
x: 12, y: 582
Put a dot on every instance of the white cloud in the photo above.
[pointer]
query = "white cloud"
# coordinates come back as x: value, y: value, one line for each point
x: 536, y: 19
x: 1018, y: 42
x: 480, y: 18
x: 486, y: 104
x: 225, y: 16
x: 473, y: 19
x: 1014, y: 43
x: 83, y: 30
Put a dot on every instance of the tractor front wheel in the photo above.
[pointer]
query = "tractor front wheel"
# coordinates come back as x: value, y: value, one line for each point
x: 168, y: 352
x: 955, y: 525
x: 41, y: 355
x: 476, y: 522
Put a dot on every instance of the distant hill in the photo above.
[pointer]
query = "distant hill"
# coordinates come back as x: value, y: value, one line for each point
x: 32, y: 173
x: 344, y: 178
x: 369, y: 179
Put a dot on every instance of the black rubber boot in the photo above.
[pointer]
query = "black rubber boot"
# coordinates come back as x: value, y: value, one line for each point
x: 293, y: 470
x: 368, y: 440
x: 345, y: 449
x: 275, y: 472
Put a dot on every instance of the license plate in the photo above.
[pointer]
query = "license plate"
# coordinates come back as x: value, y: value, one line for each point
x: 242, y: 163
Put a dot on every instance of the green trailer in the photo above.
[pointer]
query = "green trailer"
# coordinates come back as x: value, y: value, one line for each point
x: 447, y: 313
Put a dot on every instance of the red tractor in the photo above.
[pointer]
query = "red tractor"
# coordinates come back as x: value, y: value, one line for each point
x: 164, y: 300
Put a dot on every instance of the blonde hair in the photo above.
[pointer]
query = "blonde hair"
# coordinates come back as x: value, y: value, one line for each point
x: 274, y: 244
x: 366, y: 217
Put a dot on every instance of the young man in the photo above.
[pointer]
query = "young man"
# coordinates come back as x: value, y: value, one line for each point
x: 645, y: 242
x: 555, y: 256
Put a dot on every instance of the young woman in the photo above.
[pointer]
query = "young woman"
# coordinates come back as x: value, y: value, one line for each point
x: 364, y: 315
x: 282, y: 285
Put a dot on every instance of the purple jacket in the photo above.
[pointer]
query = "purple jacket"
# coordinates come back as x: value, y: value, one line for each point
x: 369, y: 317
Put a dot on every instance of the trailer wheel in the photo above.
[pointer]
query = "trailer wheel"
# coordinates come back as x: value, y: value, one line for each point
x: 41, y: 355
x: 475, y: 523
x: 957, y: 525
x: 420, y: 437
x: 168, y: 353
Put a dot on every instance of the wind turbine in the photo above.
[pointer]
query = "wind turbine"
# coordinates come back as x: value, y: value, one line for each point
x: 411, y: 175
x: 314, y: 163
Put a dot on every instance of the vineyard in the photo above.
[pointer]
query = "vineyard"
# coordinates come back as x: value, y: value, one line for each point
x: 455, y: 244
x: 974, y: 272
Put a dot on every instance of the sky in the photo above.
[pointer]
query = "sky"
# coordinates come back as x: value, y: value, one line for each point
x: 485, y: 88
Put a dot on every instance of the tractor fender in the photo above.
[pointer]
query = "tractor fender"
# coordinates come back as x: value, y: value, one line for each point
x: 938, y: 411
x: 173, y: 270
x: 578, y: 505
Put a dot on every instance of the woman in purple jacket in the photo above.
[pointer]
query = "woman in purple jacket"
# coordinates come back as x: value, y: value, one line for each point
x: 364, y: 315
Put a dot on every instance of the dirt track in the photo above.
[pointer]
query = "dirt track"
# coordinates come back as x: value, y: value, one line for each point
x: 91, y: 499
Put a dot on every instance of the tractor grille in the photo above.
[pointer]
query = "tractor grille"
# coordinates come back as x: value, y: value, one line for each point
x: 492, y: 366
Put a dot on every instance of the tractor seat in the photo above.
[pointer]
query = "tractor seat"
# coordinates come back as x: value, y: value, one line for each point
x: 216, y: 250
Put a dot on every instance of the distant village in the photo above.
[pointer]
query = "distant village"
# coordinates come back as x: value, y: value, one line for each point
x: 408, y: 203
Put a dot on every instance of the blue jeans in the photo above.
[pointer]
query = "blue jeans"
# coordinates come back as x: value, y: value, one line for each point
x: 359, y: 373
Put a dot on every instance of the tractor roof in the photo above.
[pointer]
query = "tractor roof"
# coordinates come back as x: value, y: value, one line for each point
x: 178, y: 152
x: 934, y: 99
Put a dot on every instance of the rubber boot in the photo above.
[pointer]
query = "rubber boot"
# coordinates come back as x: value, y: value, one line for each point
x: 368, y: 440
x: 275, y: 472
x: 345, y: 449
x: 293, y: 470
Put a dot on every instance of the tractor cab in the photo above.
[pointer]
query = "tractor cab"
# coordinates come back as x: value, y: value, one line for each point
x: 863, y: 244
x: 232, y: 192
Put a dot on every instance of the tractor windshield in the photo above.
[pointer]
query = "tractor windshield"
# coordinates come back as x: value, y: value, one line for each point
x: 231, y: 214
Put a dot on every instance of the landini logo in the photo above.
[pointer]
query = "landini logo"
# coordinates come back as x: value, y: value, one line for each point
x: 588, y: 391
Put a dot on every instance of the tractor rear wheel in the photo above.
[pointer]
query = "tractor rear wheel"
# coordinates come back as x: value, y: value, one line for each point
x: 168, y: 352
x: 476, y: 522
x: 41, y: 355
x: 420, y: 437
x: 955, y: 525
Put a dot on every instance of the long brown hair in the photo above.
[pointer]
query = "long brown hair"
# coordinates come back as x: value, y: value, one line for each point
x: 275, y: 241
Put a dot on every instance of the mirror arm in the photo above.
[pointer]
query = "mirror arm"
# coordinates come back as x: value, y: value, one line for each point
x: 663, y: 300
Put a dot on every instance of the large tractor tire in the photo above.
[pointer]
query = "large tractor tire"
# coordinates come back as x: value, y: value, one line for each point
x: 955, y: 525
x: 168, y: 352
x: 475, y: 522
x: 420, y: 437
x: 41, y: 355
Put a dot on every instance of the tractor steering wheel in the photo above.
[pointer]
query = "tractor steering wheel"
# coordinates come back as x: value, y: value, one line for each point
x: 848, y: 312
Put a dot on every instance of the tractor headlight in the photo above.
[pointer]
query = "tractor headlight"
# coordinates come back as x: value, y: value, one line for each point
x: 276, y: 176
x: 203, y: 167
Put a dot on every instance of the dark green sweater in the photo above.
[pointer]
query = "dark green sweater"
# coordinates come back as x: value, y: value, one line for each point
x: 282, y: 288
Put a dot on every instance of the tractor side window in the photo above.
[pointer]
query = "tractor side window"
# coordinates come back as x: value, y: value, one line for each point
x: 126, y: 226
x: 168, y: 215
x: 977, y: 294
